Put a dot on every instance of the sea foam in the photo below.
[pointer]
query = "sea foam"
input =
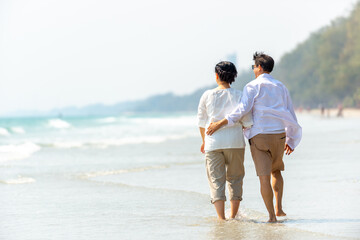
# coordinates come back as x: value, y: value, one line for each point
x: 67, y: 144
x: 19, y: 180
x: 58, y: 123
x: 107, y: 120
x: 15, y: 152
x: 4, y: 132
x: 169, y: 121
x: 108, y: 142
x: 18, y: 130
x: 120, y: 171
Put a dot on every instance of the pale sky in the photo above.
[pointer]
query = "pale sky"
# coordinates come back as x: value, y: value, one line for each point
x: 57, y: 53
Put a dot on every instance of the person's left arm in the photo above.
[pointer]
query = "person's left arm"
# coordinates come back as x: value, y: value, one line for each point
x: 202, y: 118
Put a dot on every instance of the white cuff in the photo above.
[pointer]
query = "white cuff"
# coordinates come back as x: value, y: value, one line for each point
x: 230, y: 122
x: 290, y: 142
x: 202, y: 123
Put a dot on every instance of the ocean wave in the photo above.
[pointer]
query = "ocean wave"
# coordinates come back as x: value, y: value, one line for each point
x: 19, y: 180
x: 4, y: 132
x: 107, y: 120
x: 66, y: 144
x: 18, y: 130
x: 58, y: 123
x: 104, y: 143
x: 167, y: 121
x: 115, y: 172
x: 16, y: 152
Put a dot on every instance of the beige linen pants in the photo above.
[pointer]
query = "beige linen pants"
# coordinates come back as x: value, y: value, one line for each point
x: 225, y: 165
x: 267, y: 151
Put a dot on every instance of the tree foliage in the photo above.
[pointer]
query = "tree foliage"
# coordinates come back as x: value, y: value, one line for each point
x: 325, y: 69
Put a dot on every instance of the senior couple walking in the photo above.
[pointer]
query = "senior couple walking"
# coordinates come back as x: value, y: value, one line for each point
x: 263, y: 112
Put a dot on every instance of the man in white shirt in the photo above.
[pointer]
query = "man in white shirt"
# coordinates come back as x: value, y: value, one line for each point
x: 275, y: 128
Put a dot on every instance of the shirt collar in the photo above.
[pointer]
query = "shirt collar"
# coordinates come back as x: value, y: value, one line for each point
x: 265, y: 75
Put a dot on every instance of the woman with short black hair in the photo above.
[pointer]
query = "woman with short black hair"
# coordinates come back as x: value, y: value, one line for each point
x: 224, y: 150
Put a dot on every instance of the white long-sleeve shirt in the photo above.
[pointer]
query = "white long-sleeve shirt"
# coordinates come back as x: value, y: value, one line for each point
x: 270, y: 103
x: 214, y: 105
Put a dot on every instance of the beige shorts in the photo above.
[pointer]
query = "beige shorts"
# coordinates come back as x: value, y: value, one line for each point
x: 267, y: 151
x: 225, y: 165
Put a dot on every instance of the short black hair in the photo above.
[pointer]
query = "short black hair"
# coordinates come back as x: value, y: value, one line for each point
x: 265, y: 61
x: 226, y: 71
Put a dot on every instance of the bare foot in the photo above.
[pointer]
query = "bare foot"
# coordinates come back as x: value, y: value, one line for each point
x: 272, y: 219
x: 280, y: 213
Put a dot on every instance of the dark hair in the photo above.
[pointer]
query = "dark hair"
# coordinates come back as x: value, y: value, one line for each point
x: 265, y: 61
x: 226, y: 71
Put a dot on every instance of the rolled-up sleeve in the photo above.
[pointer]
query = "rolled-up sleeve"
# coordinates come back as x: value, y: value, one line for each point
x: 246, y: 103
x: 247, y: 120
x: 202, y: 113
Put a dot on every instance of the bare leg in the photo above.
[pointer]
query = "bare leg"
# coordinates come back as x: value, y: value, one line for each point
x: 278, y: 186
x: 234, y: 207
x: 220, y: 209
x: 267, y: 195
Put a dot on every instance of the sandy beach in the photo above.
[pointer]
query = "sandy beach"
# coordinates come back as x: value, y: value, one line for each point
x: 117, y: 178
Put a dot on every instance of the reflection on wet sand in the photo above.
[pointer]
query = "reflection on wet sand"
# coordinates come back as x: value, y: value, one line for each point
x: 246, y: 229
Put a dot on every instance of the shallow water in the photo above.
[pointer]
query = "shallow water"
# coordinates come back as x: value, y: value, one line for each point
x: 143, y: 177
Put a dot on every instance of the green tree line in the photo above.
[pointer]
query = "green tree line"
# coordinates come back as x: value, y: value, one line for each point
x: 325, y: 69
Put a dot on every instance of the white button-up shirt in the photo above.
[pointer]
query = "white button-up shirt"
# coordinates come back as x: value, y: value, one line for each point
x: 214, y: 105
x: 271, y: 107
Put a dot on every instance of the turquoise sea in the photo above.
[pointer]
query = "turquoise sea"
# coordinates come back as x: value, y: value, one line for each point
x: 143, y: 177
